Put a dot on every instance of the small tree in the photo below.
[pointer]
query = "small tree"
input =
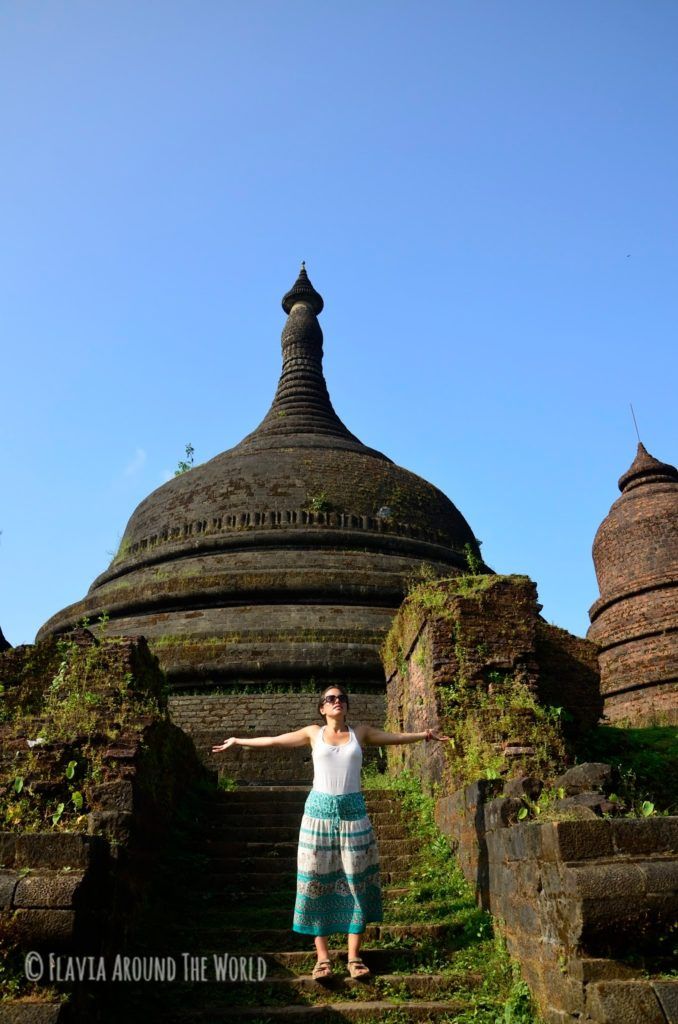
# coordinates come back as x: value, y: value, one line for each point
x: 187, y: 463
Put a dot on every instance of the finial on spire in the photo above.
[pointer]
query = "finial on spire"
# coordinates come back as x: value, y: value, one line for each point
x: 303, y: 291
x: 646, y: 469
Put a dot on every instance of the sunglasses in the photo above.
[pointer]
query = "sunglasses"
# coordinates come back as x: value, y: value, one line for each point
x: 335, y: 698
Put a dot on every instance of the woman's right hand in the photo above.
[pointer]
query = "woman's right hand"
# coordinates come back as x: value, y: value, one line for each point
x: 230, y: 742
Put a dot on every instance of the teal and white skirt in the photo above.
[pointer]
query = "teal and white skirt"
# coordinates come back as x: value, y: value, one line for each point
x: 338, y: 879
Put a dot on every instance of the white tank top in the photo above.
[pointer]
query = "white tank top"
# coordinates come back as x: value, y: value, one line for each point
x: 336, y: 769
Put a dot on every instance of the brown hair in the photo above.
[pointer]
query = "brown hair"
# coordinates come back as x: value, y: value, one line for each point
x: 332, y: 686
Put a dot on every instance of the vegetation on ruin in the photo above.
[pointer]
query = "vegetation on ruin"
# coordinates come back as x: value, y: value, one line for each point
x: 62, y: 704
x: 645, y: 762
x: 489, y: 728
x: 437, y: 892
x: 319, y: 503
x: 298, y: 686
x: 496, y: 724
x: 186, y: 463
x: 291, y: 635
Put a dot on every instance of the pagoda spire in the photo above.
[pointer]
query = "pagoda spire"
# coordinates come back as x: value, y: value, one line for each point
x: 302, y: 405
x: 303, y: 291
x: 645, y: 469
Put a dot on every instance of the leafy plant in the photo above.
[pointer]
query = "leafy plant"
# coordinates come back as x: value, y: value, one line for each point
x: 319, y: 503
x: 186, y: 463
x: 472, y: 561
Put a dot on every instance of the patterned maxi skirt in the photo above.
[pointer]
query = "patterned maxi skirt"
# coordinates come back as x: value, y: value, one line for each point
x: 338, y: 879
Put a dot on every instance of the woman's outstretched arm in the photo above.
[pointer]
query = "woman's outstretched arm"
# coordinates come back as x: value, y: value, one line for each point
x: 299, y: 738
x: 378, y: 738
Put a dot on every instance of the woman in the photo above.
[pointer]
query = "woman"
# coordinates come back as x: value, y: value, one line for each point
x: 338, y: 882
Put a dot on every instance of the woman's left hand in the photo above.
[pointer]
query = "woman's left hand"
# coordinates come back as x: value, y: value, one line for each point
x: 433, y: 734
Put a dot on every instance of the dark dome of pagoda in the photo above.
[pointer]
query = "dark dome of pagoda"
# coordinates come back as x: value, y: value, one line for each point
x: 285, y: 556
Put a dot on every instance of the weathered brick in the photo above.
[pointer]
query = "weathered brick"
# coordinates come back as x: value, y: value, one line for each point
x: 623, y: 1002
x: 645, y: 835
x: 667, y: 994
x: 578, y: 840
x: 55, y: 890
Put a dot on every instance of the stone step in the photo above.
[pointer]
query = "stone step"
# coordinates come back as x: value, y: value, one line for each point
x: 380, y: 961
x: 246, y: 848
x: 284, y: 940
x: 283, y: 866
x: 280, y: 793
x: 240, y: 905
x: 222, y: 894
x: 282, y: 985
x: 369, y: 1010
x: 287, y: 833
x: 418, y: 985
x: 255, y: 818
x: 214, y: 884
x: 261, y: 795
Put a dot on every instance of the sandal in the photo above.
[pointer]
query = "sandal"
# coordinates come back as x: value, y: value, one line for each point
x: 322, y: 969
x: 358, y: 969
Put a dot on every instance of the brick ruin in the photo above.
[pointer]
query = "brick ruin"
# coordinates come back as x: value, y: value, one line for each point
x: 635, y: 619
x: 583, y: 893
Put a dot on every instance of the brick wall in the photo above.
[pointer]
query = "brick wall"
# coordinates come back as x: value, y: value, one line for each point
x: 477, y: 636
x: 571, y: 898
x: 209, y: 719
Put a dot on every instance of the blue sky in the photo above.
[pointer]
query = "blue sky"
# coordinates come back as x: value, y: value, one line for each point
x: 485, y: 194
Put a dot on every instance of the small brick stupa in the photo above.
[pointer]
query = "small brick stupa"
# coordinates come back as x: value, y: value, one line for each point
x: 635, y: 619
x: 283, y: 559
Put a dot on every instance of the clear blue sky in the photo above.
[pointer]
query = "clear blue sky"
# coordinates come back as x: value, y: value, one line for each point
x: 486, y: 194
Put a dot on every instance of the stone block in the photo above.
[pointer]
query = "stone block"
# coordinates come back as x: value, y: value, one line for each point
x: 593, y: 969
x: 522, y: 913
x: 553, y: 1016
x: 578, y: 840
x: 114, y: 796
x: 7, y: 848
x: 47, y: 890
x: 523, y: 841
x: 585, y: 778
x: 8, y: 881
x: 623, y: 1002
x: 481, y: 791
x: 661, y: 875
x: 662, y: 906
x: 45, y: 929
x: 525, y: 785
x: 111, y: 824
x: 551, y: 878
x: 449, y: 813
x: 575, y: 811
x: 24, y: 1012
x: 54, y: 850
x: 619, y: 913
x: 604, y: 881
x: 645, y: 835
x: 586, y: 805
x: 501, y: 812
x: 667, y: 994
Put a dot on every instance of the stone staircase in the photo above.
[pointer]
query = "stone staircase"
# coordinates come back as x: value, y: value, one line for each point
x: 226, y: 888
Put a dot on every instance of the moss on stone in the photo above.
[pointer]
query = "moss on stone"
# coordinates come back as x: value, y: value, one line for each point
x: 74, y: 695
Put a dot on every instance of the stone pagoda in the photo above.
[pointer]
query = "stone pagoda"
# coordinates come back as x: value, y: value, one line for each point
x: 635, y: 619
x: 283, y: 559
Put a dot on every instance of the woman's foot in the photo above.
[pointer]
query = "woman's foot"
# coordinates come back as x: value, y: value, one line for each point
x: 322, y: 969
x: 358, y: 969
